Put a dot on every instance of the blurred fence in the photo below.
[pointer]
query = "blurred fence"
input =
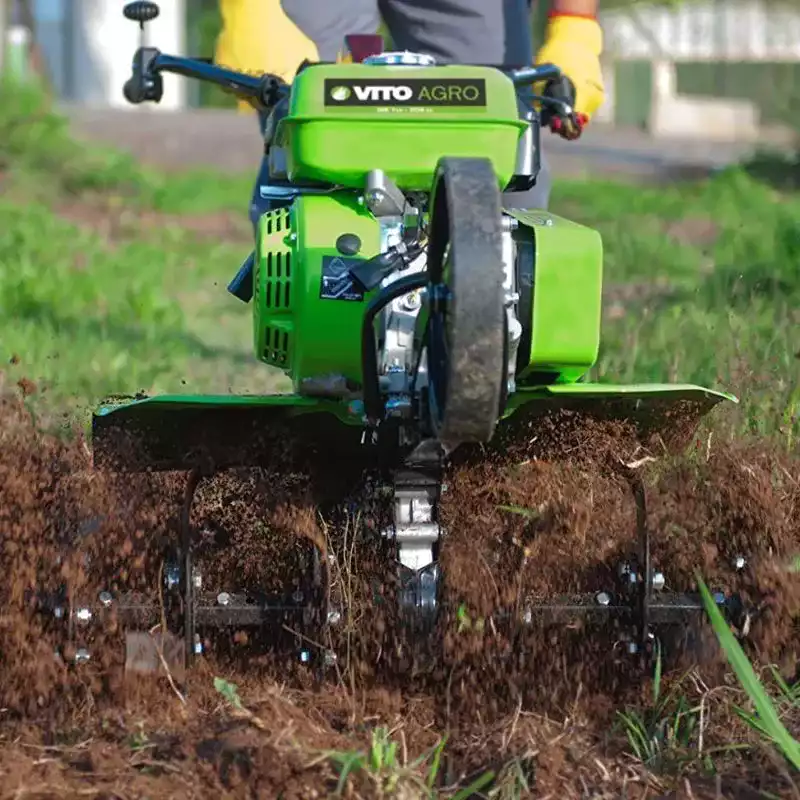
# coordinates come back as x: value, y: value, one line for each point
x: 720, y: 66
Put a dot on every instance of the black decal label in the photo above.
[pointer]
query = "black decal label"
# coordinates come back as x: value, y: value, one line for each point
x: 412, y: 93
x: 336, y: 283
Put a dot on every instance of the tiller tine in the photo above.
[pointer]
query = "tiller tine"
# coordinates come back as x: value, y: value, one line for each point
x: 164, y: 636
x: 639, y: 603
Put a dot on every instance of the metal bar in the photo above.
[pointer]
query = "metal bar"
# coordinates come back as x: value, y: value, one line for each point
x: 665, y: 610
x: 187, y: 576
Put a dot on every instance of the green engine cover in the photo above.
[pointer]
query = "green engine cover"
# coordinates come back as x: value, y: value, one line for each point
x: 307, y: 315
x: 564, y: 265
x: 347, y: 119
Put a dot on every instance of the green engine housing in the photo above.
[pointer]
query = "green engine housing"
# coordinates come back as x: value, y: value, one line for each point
x: 307, y: 325
x: 297, y: 326
x: 347, y: 119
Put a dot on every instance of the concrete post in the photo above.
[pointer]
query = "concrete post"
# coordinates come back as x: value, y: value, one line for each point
x: 103, y: 44
x: 3, y: 33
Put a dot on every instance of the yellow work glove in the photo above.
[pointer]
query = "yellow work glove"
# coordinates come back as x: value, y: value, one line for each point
x: 574, y: 44
x: 257, y: 37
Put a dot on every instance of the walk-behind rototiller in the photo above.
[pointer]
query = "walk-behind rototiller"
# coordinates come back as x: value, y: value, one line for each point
x: 416, y: 311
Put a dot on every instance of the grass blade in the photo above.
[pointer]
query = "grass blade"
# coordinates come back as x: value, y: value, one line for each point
x: 749, y: 680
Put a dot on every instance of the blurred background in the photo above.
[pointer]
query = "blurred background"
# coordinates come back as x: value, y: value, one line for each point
x: 724, y: 69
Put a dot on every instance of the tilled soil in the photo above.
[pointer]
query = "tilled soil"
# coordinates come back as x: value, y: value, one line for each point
x: 551, y: 515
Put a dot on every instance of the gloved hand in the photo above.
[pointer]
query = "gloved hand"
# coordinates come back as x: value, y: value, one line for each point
x: 257, y: 37
x: 574, y: 45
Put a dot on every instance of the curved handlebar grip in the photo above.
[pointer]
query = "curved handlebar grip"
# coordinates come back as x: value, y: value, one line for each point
x: 133, y: 91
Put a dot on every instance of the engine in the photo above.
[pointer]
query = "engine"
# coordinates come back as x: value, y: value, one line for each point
x: 308, y: 310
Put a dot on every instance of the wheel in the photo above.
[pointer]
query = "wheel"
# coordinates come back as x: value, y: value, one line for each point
x: 466, y: 317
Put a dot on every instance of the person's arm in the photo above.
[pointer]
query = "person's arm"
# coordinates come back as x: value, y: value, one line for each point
x: 574, y: 42
x: 574, y: 8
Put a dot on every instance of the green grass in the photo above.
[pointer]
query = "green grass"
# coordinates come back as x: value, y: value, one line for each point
x: 712, y: 267
x: 719, y: 302
x: 86, y: 317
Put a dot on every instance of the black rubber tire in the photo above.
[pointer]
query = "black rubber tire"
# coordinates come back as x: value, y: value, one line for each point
x: 466, y: 347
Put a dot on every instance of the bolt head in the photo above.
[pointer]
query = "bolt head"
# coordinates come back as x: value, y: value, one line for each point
x: 82, y: 656
x: 603, y: 599
x: 633, y: 648
x: 334, y: 617
x: 739, y: 562
x: 305, y: 656
x: 105, y: 599
x: 83, y: 614
x: 659, y: 581
x: 197, y: 580
x: 223, y: 599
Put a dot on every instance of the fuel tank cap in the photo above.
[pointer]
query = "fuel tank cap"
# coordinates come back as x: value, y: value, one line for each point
x: 402, y: 58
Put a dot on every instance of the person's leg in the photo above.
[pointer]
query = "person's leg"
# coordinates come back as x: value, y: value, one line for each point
x: 462, y: 31
x: 327, y: 22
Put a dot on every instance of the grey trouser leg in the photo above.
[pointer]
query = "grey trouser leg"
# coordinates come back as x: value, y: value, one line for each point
x: 496, y: 32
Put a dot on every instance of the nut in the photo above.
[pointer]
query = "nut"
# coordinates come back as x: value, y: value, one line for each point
x: 602, y: 599
x: 334, y: 616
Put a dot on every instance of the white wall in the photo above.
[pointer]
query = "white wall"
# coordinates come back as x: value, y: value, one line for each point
x: 103, y: 44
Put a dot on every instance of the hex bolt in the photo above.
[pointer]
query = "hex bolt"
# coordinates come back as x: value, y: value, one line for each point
x: 334, y: 616
x: 198, y: 647
x: 83, y: 614
x: 105, y: 599
x: 58, y: 612
x: 603, y: 599
x: 305, y: 656
x: 223, y: 599
x: 82, y: 656
x: 633, y: 648
x: 330, y: 658
x: 197, y: 579
x: 739, y: 562
x: 658, y: 581
x: 527, y: 617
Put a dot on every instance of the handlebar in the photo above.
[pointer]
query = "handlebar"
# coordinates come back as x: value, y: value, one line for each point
x: 145, y: 83
x: 266, y: 90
